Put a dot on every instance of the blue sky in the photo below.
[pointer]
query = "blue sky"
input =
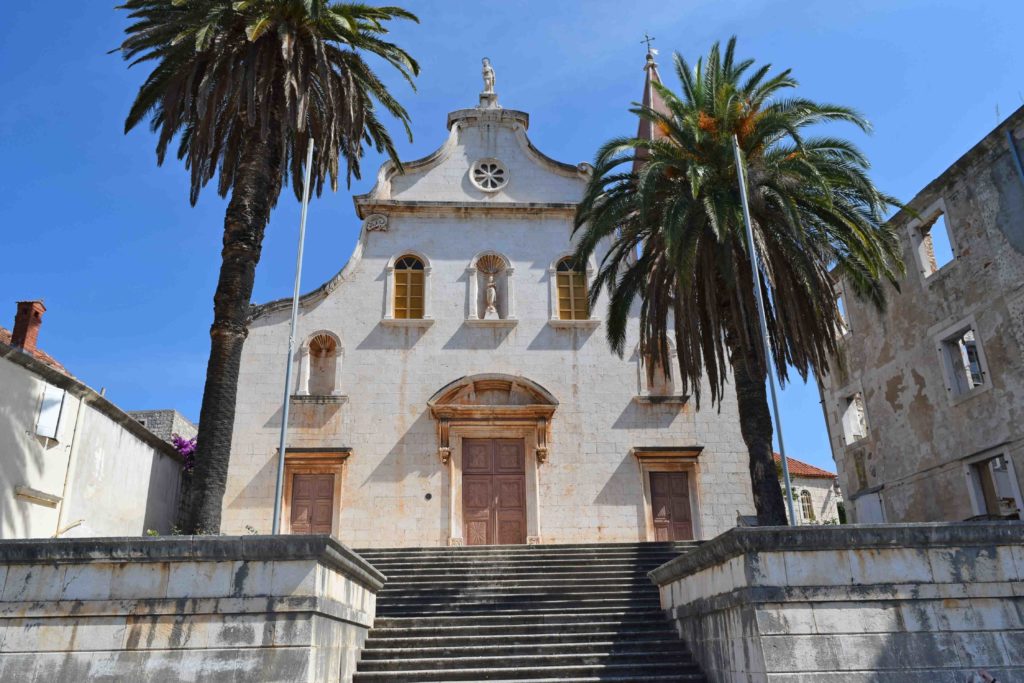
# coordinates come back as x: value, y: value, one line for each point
x: 127, y: 268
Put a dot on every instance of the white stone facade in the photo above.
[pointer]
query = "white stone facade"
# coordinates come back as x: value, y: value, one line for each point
x: 586, y: 483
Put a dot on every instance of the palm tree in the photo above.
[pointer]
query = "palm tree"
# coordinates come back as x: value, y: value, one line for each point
x: 242, y: 85
x: 669, y: 205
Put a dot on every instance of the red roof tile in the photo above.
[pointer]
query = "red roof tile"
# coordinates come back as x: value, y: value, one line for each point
x: 798, y: 468
x: 38, y: 354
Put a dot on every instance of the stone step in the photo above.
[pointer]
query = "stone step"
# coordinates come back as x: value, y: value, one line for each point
x: 581, y: 606
x: 599, y: 672
x: 539, y: 639
x: 457, y: 648
x: 496, y: 580
x: 629, y: 657
x: 395, y: 573
x: 496, y: 592
x: 476, y: 622
x: 543, y: 548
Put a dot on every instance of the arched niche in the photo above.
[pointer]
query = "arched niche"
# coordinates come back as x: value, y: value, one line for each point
x: 490, y: 270
x: 320, y: 361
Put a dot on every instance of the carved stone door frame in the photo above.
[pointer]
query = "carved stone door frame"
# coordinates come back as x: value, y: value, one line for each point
x: 510, y: 430
x: 670, y: 459
x: 492, y: 406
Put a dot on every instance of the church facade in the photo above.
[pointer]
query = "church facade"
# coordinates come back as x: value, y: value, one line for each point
x: 451, y: 386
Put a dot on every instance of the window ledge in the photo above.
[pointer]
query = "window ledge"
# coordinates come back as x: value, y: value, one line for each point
x: 407, y: 322
x: 591, y: 324
x: 856, y: 443
x: 955, y: 400
x: 678, y: 399
x: 319, y: 399
x: 940, y: 274
x: 493, y: 322
x: 36, y: 496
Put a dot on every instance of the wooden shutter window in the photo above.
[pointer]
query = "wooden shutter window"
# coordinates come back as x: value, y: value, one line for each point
x: 409, y: 286
x: 572, y: 291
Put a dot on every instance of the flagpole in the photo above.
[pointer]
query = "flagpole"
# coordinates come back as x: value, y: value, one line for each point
x: 291, y: 343
x: 755, y: 269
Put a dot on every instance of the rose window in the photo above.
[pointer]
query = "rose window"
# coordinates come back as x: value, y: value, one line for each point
x: 489, y: 175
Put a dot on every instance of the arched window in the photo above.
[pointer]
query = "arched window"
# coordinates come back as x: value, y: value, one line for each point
x: 806, y: 506
x: 409, y: 288
x: 572, y: 291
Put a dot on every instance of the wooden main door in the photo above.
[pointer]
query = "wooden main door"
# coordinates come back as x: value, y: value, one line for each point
x: 670, y: 503
x: 312, y: 503
x: 493, y: 491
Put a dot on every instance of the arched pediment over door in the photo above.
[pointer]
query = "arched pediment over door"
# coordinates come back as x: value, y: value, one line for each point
x: 493, y: 399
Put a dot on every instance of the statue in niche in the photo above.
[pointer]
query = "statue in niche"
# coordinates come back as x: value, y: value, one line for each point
x: 488, y: 74
x: 490, y: 265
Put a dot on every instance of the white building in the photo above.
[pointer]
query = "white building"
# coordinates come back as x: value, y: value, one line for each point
x: 71, y: 462
x: 816, y: 495
x: 452, y: 386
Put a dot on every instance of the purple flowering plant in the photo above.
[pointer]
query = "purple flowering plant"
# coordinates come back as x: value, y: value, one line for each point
x: 187, y: 449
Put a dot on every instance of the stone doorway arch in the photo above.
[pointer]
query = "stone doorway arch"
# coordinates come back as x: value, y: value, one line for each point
x: 492, y: 406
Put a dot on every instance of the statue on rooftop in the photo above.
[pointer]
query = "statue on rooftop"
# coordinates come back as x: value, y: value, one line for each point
x: 488, y: 74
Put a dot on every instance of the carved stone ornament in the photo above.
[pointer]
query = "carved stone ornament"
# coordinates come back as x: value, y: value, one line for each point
x: 376, y: 222
x: 533, y: 540
x: 455, y: 542
x: 445, y: 453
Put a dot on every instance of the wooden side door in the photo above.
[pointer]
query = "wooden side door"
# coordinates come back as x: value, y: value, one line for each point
x: 670, y: 503
x: 312, y: 508
x: 493, y: 491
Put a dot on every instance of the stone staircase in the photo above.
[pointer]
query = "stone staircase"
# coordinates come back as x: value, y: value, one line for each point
x: 566, y: 613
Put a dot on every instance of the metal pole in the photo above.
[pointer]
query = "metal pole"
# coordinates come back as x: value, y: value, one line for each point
x: 279, y: 490
x: 755, y: 269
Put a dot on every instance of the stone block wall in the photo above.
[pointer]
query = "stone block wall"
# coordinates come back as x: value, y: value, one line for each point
x: 928, y: 603
x: 198, y: 609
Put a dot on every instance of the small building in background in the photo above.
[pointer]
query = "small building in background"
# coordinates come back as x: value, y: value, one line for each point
x: 925, y: 408
x: 71, y: 462
x: 816, y: 495
x: 165, y: 423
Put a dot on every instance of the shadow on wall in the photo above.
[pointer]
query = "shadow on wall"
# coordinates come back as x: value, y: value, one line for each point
x: 382, y: 338
x: 624, y: 488
x: 648, y: 416
x: 551, y: 339
x: 314, y: 416
x: 414, y: 455
x: 477, y: 338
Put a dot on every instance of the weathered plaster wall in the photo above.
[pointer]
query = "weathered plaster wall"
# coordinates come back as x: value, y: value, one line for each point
x: 196, y: 609
x: 918, y: 434
x: 928, y: 603
x: 103, y: 474
x: 591, y: 487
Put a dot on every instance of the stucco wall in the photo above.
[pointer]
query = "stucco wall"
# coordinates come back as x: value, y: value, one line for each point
x: 196, y: 609
x: 589, y: 490
x: 106, y: 475
x: 919, y: 434
x: 931, y: 603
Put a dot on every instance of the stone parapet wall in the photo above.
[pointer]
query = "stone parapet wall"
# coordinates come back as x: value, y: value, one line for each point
x: 284, y: 608
x: 907, y: 603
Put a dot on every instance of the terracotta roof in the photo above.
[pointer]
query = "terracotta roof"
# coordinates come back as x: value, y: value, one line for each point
x: 38, y: 354
x: 798, y: 468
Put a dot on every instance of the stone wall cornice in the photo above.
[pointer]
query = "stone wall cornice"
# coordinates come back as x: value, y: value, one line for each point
x: 743, y: 541
x: 366, y: 205
x: 320, y: 548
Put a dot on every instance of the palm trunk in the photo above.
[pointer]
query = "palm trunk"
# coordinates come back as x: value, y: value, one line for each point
x: 248, y: 212
x: 756, y: 428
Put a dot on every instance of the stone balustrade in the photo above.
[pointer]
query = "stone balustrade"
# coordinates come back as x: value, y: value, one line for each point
x: 266, y: 608
x: 906, y: 603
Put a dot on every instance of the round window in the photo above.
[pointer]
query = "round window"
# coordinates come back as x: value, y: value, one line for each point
x: 489, y: 175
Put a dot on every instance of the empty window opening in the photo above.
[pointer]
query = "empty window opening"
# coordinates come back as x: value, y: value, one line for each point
x: 855, y: 425
x: 844, y: 320
x: 936, y: 248
x: 806, y: 506
x: 995, y: 491
x: 962, y: 357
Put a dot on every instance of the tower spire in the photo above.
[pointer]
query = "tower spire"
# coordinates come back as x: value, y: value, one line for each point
x: 651, y: 100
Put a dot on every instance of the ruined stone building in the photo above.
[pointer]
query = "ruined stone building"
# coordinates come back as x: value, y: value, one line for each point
x: 452, y: 386
x: 926, y: 419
